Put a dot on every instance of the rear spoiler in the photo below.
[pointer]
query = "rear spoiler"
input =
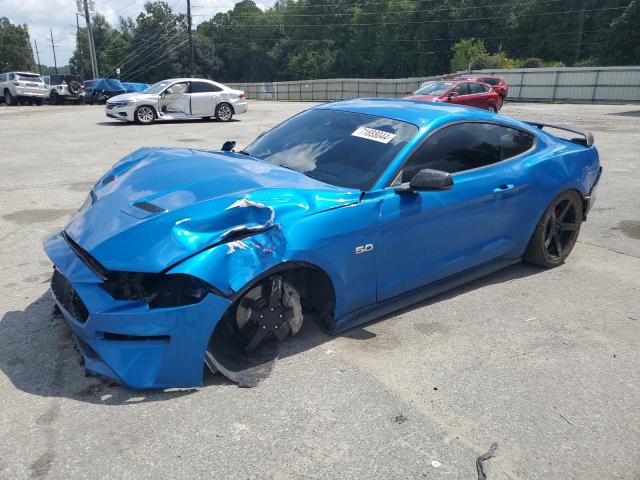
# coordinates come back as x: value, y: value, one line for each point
x: 586, y: 134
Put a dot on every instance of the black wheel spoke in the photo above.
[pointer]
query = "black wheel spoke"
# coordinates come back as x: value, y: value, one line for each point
x: 568, y: 227
x: 548, y: 238
x: 564, y: 210
x: 558, y: 243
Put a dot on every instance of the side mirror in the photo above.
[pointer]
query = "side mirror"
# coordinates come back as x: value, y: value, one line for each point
x: 168, y: 91
x: 427, y: 180
x: 228, y: 146
x: 452, y: 94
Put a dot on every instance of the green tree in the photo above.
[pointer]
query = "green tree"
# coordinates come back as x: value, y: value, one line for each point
x: 468, y: 53
x: 15, y: 47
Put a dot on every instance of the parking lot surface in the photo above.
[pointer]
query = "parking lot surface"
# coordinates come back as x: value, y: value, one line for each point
x: 545, y: 363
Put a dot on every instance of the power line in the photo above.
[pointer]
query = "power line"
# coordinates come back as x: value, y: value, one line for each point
x: 147, y: 44
x: 395, y: 12
x: 418, y: 22
x: 149, y: 67
x: 434, y: 39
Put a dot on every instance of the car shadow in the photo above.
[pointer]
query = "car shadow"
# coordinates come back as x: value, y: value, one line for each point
x: 39, y: 356
x: 312, y: 335
x: 118, y: 123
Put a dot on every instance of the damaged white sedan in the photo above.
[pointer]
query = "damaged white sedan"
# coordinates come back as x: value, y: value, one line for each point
x: 178, y: 99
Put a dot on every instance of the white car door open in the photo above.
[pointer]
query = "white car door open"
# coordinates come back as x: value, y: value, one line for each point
x: 177, y: 99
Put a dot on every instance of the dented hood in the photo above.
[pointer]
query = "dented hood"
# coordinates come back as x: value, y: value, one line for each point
x: 158, y: 206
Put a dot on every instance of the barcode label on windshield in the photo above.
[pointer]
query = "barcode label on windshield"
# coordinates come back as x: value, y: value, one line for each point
x: 373, y: 134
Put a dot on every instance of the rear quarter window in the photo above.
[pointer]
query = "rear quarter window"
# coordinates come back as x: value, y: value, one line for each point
x: 515, y: 142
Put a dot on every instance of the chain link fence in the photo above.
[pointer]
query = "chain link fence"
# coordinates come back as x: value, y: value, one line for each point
x: 570, y: 84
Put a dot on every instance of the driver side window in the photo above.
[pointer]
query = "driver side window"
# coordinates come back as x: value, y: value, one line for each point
x: 455, y: 149
x: 462, y: 89
x: 179, y: 88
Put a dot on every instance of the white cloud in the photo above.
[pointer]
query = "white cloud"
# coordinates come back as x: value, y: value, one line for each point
x: 59, y: 15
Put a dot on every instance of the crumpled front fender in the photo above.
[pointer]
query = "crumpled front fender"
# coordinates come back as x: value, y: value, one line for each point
x: 230, y: 266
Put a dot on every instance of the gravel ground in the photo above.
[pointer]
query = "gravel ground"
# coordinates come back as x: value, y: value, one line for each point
x: 545, y: 363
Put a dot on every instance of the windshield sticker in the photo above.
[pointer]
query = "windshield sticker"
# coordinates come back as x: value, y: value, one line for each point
x: 373, y: 134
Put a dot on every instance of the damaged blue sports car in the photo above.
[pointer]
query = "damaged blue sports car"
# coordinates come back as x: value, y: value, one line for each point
x: 182, y: 260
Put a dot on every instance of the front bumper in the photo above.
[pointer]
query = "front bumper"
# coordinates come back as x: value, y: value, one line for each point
x: 126, y: 340
x: 120, y: 112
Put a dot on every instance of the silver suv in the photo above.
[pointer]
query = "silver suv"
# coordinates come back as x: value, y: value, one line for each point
x: 22, y: 86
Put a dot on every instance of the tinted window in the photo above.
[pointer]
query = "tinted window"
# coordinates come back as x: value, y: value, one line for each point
x: 462, y: 89
x: 2, y: 76
x: 11, y: 76
x: 515, y: 142
x: 340, y: 148
x: 490, y: 81
x: 457, y: 148
x: 200, y: 87
x: 477, y: 88
x: 29, y: 77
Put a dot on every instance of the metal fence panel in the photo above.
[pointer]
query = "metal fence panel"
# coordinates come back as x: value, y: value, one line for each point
x: 575, y: 84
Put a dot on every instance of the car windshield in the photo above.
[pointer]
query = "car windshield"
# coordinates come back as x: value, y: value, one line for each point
x: 435, y: 88
x: 158, y: 87
x: 29, y: 77
x: 340, y: 148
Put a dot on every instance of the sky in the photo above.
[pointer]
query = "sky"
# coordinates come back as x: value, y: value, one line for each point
x: 59, y: 15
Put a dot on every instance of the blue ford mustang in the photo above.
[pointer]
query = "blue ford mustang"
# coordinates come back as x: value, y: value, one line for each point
x: 181, y: 259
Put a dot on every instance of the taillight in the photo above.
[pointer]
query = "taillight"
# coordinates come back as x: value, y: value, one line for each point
x: 241, y: 95
x: 17, y: 84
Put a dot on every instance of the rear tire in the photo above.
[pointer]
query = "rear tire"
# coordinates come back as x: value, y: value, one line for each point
x: 144, y: 115
x: 492, y: 109
x: 224, y: 112
x: 556, y: 232
x: 8, y: 98
x: 54, y: 98
x: 500, y: 102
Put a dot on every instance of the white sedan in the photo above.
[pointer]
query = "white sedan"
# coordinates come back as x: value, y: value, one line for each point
x: 178, y: 98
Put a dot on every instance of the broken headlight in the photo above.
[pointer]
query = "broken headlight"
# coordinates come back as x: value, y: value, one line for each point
x: 156, y: 289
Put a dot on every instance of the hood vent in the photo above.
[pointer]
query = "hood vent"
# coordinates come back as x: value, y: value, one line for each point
x: 149, y: 207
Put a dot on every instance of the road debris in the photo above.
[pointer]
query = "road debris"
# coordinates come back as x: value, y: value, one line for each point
x: 482, y: 458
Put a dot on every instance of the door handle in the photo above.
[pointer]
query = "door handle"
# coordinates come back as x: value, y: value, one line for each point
x: 503, y: 189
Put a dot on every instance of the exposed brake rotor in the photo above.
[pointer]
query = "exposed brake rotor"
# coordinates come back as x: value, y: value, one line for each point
x: 245, y: 344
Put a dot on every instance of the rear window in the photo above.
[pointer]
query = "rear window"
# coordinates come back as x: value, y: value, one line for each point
x: 29, y: 77
x: 340, y: 148
x: 490, y: 80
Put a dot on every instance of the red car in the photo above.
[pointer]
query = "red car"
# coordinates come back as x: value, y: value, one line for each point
x: 473, y: 94
x: 497, y: 83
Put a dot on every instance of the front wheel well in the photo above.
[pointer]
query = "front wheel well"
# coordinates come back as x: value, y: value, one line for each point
x: 317, y: 293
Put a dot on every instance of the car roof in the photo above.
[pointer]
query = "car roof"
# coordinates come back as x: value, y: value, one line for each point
x: 188, y: 80
x: 24, y: 73
x: 419, y: 113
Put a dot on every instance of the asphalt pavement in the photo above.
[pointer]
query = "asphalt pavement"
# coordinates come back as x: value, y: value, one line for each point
x: 545, y: 363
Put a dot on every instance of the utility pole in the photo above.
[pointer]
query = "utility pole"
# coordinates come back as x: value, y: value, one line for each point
x: 92, y: 47
x: 189, y: 27
x: 80, y: 59
x: 53, y: 46
x: 38, y: 56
